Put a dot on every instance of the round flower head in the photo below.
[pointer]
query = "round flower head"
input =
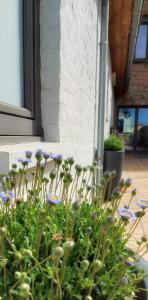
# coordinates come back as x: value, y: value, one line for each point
x: 53, y: 199
x: 69, y: 243
x: 46, y: 155
x: 28, y: 154
x: 24, y: 161
x: 142, y: 203
x: 121, y: 183
x: 6, y: 196
x: 126, y: 214
x: 130, y: 261
x: 116, y: 191
x: 39, y: 155
x: 56, y: 156
x: 128, y: 182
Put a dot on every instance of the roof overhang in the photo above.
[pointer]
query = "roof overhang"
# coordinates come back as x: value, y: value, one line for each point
x: 124, y: 22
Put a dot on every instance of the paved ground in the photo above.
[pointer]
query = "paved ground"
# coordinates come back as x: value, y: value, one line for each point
x: 136, y: 167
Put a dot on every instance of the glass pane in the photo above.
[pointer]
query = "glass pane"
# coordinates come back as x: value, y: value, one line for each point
x: 142, y: 129
x: 141, y: 42
x: 11, y: 52
x: 126, y: 125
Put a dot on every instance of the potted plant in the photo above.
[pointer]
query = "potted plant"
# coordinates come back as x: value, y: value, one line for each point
x: 60, y: 241
x: 114, y: 156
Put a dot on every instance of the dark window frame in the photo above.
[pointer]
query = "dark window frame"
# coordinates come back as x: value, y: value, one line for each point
x: 142, y: 60
x: 26, y: 121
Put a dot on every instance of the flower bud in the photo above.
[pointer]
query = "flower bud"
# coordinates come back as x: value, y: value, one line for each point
x: 27, y: 252
x: 97, y: 265
x: 76, y: 205
x: 107, y: 174
x: 124, y: 281
x: 4, y: 230
x: 3, y: 262
x: 89, y: 230
x: 52, y: 175
x: 78, y: 169
x: 25, y: 288
x: 59, y: 252
x: 88, y: 297
x: 113, y: 174
x: 134, y: 192
x: 14, y: 166
x: 68, y: 244
x: 71, y: 160
x: 93, y: 215
x: 121, y: 183
x: 110, y: 219
x: 18, y: 275
x: 18, y: 255
x: 85, y: 264
x: 139, y: 214
x: 128, y: 182
x: 144, y: 239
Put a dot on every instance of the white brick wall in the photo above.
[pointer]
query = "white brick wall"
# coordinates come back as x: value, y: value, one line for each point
x: 69, y: 67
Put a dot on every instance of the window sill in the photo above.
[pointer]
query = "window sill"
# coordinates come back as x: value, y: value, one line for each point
x: 10, y: 153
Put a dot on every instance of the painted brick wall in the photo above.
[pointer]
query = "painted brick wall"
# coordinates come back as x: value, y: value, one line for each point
x: 78, y: 75
x: 69, y: 73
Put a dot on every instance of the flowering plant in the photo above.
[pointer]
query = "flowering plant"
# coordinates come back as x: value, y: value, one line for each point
x: 59, y: 239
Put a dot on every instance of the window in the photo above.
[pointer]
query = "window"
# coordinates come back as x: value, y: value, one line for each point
x: 141, y: 51
x: 19, y: 68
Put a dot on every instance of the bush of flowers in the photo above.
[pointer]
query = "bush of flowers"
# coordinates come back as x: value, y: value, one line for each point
x: 59, y: 239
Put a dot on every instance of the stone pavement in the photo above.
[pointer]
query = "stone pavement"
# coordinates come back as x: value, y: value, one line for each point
x: 136, y: 168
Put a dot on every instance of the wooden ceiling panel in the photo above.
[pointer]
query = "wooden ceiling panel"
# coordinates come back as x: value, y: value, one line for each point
x: 119, y: 29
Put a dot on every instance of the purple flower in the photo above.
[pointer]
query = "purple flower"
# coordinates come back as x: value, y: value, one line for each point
x: 142, y: 203
x: 130, y: 261
x: 53, y: 198
x: 39, y: 155
x: 56, y: 156
x: 121, y: 183
x: 24, y: 161
x: 46, y: 155
x: 126, y: 214
x: 128, y: 182
x: 7, y: 196
x: 28, y: 154
x: 116, y: 191
x: 39, y: 152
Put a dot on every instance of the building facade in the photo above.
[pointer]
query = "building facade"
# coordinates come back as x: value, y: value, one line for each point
x: 51, y: 74
x: 132, y: 108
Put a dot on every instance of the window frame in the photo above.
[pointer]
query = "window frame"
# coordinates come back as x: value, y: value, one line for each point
x: 26, y: 121
x: 142, y: 60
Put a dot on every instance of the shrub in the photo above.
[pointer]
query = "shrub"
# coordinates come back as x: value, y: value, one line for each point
x: 114, y: 143
x: 62, y: 241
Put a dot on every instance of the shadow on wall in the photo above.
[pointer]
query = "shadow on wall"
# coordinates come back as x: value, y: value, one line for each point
x: 50, y: 37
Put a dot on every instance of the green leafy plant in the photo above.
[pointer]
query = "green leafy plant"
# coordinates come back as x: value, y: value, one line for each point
x: 114, y: 143
x: 60, y: 240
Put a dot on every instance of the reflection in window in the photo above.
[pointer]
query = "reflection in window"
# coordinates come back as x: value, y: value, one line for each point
x: 141, y: 46
x: 11, y: 52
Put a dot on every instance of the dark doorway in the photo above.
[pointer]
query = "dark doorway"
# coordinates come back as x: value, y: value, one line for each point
x: 133, y: 124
